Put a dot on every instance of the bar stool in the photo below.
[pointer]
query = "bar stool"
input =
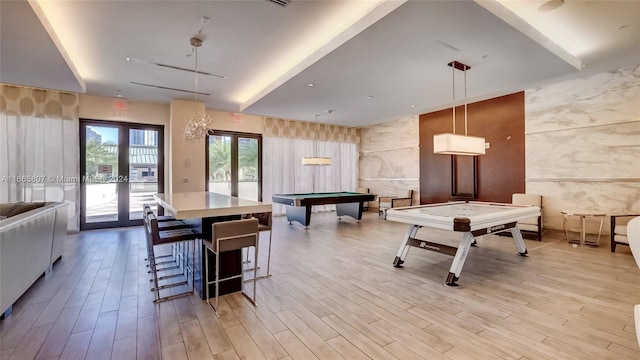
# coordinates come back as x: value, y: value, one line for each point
x: 147, y: 208
x: 165, y: 223
x: 229, y: 236
x: 176, y: 256
x: 265, y: 223
x: 157, y: 237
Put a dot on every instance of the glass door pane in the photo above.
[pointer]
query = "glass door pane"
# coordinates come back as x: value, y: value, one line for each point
x: 220, y: 164
x: 143, y: 170
x: 101, y: 174
x: 122, y: 168
x: 248, y: 168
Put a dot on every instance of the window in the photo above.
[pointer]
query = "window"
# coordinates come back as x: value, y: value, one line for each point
x: 234, y: 164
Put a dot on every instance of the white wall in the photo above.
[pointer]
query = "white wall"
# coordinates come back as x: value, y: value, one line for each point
x: 237, y: 122
x: 103, y: 108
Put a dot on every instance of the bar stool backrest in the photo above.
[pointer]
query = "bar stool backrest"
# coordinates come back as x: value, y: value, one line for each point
x: 235, y: 234
x: 265, y: 220
x: 152, y: 228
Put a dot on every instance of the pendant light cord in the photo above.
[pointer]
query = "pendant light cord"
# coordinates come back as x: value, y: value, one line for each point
x: 453, y: 81
x: 465, y: 100
x: 196, y: 42
x: 315, y: 139
x: 196, y: 50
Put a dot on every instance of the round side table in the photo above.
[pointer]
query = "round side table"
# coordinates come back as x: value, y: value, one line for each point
x: 583, y: 215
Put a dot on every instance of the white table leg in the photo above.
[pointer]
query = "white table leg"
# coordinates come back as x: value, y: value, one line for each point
x: 404, y: 248
x: 458, y: 259
x: 517, y: 238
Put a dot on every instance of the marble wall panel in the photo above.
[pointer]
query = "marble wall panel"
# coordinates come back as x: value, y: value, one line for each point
x: 582, y: 145
x: 399, y: 133
x: 608, y: 151
x: 607, y: 197
x: 390, y: 164
x: 390, y: 159
x: 604, y: 98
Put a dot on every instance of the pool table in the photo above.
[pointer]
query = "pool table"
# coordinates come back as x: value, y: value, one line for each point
x: 299, y: 205
x: 472, y: 219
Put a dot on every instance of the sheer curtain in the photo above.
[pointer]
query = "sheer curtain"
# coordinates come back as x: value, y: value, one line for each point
x: 39, y: 148
x: 283, y: 172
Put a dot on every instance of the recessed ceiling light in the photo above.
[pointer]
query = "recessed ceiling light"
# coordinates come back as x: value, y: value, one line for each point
x: 412, y: 106
x: 369, y: 97
x: 311, y: 84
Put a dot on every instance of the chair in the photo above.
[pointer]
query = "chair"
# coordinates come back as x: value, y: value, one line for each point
x: 147, y: 208
x: 229, y: 236
x: 156, y: 237
x: 364, y: 190
x: 633, y: 236
x: 265, y: 221
x: 388, y: 202
x: 164, y: 223
x: 619, y: 230
x: 532, y: 225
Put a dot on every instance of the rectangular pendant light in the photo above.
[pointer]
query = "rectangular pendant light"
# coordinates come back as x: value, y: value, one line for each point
x: 316, y: 161
x: 452, y: 144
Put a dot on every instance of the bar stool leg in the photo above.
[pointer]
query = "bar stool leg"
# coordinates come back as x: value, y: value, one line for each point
x: 218, y: 279
x: 154, y: 274
x: 269, y: 255
x: 255, y: 271
x: 206, y: 276
x: 268, y: 260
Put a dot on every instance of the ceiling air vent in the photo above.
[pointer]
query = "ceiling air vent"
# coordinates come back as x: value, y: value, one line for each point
x: 282, y: 3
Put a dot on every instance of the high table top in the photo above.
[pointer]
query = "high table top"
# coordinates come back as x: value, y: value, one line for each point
x: 189, y: 205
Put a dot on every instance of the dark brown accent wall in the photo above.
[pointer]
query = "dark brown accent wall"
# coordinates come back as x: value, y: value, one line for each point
x: 500, y: 173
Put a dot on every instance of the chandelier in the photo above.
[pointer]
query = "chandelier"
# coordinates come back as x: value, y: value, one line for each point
x: 452, y: 143
x: 199, y: 125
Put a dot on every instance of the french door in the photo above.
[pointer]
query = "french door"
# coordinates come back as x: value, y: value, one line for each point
x: 234, y: 165
x: 121, y: 167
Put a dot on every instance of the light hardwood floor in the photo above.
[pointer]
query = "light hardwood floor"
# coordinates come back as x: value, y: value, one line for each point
x: 334, y: 294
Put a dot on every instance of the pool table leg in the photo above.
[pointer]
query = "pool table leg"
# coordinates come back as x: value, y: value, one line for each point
x: 404, y: 247
x: 517, y: 238
x: 350, y: 209
x: 459, y: 258
x: 301, y: 214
